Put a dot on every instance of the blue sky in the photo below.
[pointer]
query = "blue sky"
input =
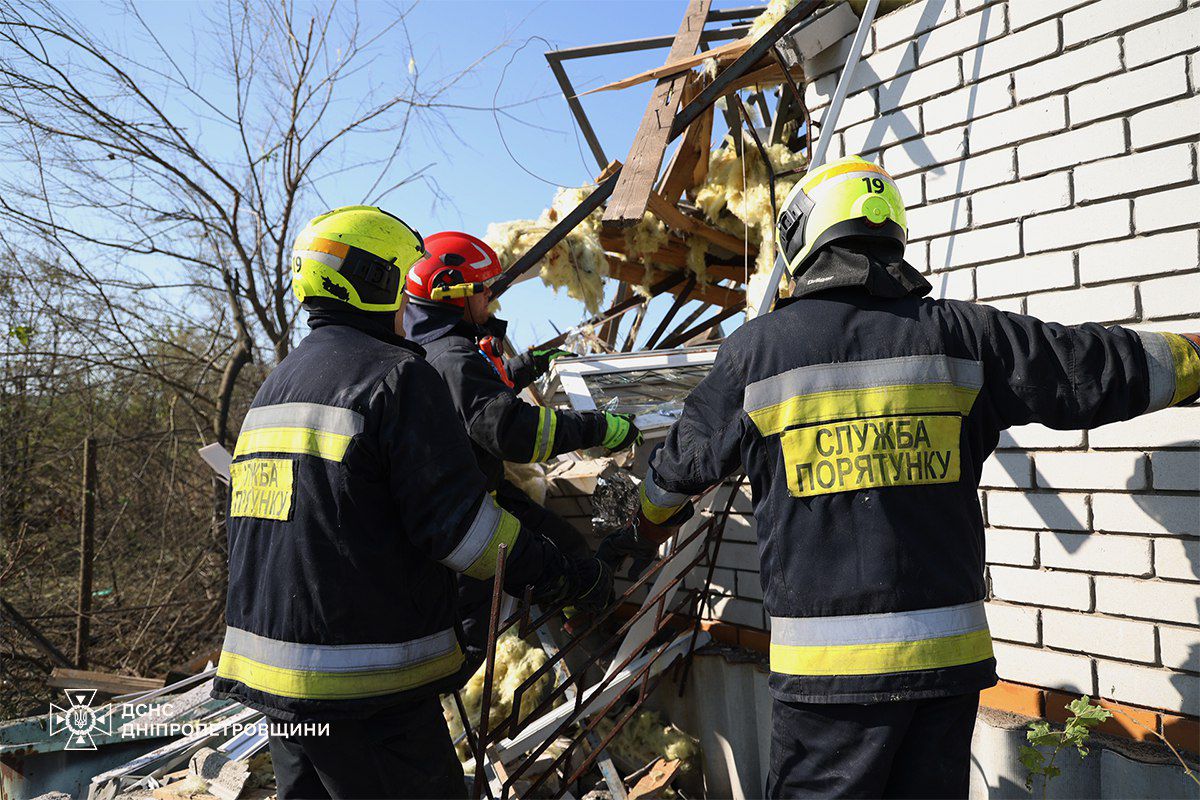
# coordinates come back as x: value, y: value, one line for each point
x: 484, y: 183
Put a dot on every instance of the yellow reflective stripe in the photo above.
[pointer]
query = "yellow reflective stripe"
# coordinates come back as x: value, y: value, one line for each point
x: 883, y: 658
x: 655, y: 513
x: 305, y: 441
x: 550, y: 437
x: 927, y: 398
x: 543, y: 440
x: 1187, y: 367
x: 506, y: 533
x: 335, y: 685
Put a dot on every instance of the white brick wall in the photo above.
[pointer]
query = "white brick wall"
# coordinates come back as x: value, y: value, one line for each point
x: 1090, y: 633
x: 1047, y: 150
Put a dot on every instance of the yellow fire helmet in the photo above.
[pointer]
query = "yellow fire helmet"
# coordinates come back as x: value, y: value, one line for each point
x: 355, y: 255
x: 849, y: 197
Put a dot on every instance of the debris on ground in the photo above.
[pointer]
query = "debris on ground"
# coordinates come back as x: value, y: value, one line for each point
x: 647, y: 738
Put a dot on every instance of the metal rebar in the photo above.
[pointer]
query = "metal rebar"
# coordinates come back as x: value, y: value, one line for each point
x: 489, y: 671
x: 718, y: 535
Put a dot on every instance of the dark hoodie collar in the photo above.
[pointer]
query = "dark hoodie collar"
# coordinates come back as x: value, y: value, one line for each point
x: 880, y: 270
x: 380, y: 325
x: 427, y: 322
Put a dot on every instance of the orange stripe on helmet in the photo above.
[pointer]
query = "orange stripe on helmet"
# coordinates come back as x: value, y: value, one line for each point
x: 329, y: 246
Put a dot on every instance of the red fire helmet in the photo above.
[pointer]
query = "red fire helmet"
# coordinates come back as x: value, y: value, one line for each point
x: 458, y: 265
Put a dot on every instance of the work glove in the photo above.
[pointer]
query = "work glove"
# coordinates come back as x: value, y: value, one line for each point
x: 537, y: 362
x: 620, y: 432
x: 589, y: 583
x: 585, y: 583
x: 639, y: 541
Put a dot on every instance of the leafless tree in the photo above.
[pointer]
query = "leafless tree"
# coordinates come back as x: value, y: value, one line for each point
x: 157, y: 182
x: 147, y: 207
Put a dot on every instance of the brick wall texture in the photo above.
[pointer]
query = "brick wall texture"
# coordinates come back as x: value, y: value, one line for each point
x: 1047, y: 153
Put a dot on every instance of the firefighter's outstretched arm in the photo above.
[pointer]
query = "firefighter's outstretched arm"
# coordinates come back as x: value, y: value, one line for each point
x: 513, y: 430
x: 702, y: 448
x: 1078, y: 376
x: 439, y: 494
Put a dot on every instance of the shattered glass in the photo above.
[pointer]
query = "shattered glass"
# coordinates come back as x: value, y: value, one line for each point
x: 614, y: 502
x: 661, y: 390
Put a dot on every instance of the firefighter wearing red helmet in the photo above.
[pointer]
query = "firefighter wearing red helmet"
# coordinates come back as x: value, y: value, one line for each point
x: 448, y: 315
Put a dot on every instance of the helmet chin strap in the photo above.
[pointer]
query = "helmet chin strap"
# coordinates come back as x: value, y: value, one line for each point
x: 470, y: 314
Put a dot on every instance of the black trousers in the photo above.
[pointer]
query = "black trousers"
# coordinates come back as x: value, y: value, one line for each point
x: 905, y: 748
x: 403, y: 752
x: 475, y: 596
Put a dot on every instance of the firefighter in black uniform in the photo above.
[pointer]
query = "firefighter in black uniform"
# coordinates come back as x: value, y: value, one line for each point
x: 862, y: 412
x: 448, y: 316
x: 355, y: 498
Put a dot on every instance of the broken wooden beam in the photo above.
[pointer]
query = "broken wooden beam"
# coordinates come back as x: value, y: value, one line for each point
x: 701, y: 328
x: 634, y: 300
x: 689, y: 167
x: 675, y: 254
x: 631, y: 194
x: 635, y: 274
x: 676, y: 219
x: 726, y: 53
x: 683, y: 119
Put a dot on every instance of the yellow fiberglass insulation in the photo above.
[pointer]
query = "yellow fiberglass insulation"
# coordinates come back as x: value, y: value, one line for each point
x: 577, y: 263
x: 516, y: 661
x: 645, y: 738
x: 644, y: 239
x: 736, y: 197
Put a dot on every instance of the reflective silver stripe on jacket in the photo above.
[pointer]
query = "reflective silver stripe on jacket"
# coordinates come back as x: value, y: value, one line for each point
x: 900, y: 626
x: 849, y: 375
x: 328, y: 419
x: 1161, y: 366
x: 477, y: 538
x: 660, y: 496
x: 338, y: 658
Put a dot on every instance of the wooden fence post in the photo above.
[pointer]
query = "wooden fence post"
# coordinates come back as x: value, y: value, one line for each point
x: 87, y: 531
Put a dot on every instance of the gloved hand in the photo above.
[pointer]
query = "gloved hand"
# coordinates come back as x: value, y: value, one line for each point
x: 620, y: 432
x: 537, y: 361
x: 589, y: 583
x: 625, y: 543
x: 639, y: 541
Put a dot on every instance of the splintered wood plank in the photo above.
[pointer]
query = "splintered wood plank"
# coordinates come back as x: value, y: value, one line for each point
x: 724, y: 54
x: 685, y: 170
x: 629, y: 198
x: 657, y: 779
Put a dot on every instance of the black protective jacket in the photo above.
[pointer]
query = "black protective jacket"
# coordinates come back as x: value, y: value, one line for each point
x: 502, y: 426
x: 355, y: 498
x: 863, y: 419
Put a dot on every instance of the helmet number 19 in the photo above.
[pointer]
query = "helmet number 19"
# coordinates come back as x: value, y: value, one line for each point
x: 874, y: 185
